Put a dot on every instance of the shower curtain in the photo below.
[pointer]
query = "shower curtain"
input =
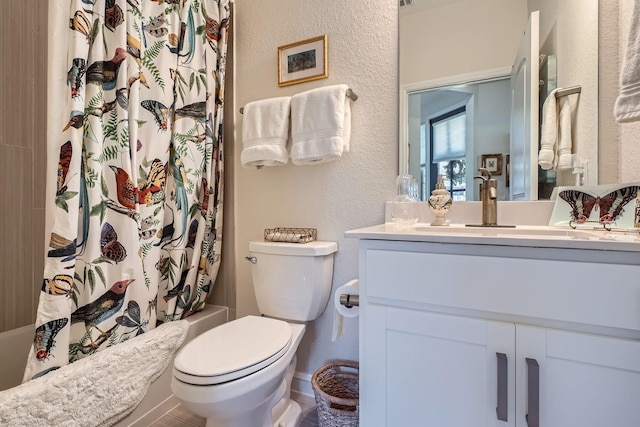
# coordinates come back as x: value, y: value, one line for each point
x: 136, y: 224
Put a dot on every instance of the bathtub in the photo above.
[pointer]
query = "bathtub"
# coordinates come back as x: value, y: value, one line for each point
x: 14, y: 347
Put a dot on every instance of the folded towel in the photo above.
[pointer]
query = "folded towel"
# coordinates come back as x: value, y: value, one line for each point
x: 627, y: 108
x: 320, y: 125
x: 563, y: 156
x: 265, y: 130
x: 548, y: 132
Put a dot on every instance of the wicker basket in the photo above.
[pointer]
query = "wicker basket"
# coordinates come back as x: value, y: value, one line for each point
x: 335, y: 386
x: 291, y: 235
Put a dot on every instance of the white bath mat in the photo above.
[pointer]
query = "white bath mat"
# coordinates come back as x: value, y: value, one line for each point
x: 96, y: 391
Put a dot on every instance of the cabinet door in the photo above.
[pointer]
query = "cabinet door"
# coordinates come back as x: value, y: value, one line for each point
x: 584, y: 380
x: 441, y: 370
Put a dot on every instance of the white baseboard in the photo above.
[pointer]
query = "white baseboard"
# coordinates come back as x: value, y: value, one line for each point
x: 301, y: 384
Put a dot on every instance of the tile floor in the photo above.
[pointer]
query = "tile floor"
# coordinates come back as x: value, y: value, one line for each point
x: 182, y: 417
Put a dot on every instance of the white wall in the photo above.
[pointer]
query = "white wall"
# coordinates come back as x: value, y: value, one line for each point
x: 629, y: 156
x: 619, y: 149
x: 332, y: 197
x: 460, y: 37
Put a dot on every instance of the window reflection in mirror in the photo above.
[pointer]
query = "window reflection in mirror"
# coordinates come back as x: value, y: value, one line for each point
x: 455, y: 126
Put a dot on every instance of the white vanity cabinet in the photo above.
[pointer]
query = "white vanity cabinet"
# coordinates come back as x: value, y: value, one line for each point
x: 497, y: 335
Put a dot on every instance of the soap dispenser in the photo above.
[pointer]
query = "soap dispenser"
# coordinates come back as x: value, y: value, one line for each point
x: 440, y: 202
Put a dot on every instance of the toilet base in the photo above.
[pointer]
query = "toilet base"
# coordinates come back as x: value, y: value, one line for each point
x: 291, y: 417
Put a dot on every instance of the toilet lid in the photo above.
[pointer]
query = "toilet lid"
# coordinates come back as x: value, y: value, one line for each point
x: 232, y: 350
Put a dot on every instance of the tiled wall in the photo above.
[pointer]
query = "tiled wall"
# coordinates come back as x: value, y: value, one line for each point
x: 23, y: 79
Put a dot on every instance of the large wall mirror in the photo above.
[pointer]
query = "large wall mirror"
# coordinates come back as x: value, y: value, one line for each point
x: 465, y: 101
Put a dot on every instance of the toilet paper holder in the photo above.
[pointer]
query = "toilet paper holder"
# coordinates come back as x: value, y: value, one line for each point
x: 349, y: 300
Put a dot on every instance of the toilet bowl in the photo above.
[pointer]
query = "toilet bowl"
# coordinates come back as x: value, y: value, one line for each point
x: 239, y: 374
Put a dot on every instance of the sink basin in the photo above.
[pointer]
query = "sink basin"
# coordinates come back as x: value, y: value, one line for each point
x: 517, y: 231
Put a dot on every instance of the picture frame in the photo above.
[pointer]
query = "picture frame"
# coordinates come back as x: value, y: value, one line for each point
x: 492, y: 163
x: 303, y: 61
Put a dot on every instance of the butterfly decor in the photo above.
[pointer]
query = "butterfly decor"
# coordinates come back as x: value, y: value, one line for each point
x: 66, y: 152
x: 44, y: 339
x: 153, y: 305
x: 155, y: 27
x: 160, y: 113
x: 109, y: 245
x: 598, y: 204
x: 193, y: 233
x: 113, y: 15
x: 183, y: 298
x: 151, y: 190
x: 81, y: 23
x: 203, y: 196
x: 131, y: 319
x: 146, y: 231
x: 61, y: 284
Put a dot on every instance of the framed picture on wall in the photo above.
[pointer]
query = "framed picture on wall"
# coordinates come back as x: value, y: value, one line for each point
x: 303, y: 61
x: 492, y: 163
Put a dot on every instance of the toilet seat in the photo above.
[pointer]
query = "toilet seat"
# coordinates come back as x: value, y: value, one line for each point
x: 232, y: 351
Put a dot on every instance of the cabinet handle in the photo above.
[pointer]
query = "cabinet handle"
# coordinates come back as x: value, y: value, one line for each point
x: 533, y: 393
x: 502, y: 409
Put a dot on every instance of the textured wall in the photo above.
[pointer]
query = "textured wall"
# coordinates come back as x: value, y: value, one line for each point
x: 609, y: 64
x: 332, y: 197
x: 629, y: 132
x: 459, y: 37
x: 619, y: 151
x: 23, y: 49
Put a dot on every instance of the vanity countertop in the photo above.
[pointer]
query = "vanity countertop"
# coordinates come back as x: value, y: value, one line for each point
x: 522, y: 236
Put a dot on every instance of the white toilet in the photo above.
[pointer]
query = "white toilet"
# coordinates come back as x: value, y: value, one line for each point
x: 239, y: 374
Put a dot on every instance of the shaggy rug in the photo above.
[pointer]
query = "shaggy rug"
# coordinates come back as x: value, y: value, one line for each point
x: 99, y: 390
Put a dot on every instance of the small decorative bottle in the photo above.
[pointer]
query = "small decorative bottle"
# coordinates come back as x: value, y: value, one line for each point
x: 440, y: 202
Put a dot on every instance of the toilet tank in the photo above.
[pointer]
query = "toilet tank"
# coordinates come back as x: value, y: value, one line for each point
x: 292, y: 281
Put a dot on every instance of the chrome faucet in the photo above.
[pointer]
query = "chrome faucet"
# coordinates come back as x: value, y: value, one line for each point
x: 489, y: 197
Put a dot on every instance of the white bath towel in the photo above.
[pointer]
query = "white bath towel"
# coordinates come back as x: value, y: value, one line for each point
x: 98, y: 390
x: 548, y: 132
x: 565, y: 143
x: 555, y: 136
x: 265, y: 131
x: 320, y: 125
x: 627, y: 108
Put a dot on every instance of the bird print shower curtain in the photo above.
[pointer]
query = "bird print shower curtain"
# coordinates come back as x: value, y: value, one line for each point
x: 136, y: 232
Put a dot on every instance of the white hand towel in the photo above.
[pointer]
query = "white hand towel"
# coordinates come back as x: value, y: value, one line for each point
x: 320, y: 125
x: 563, y: 156
x: 627, y: 108
x: 265, y: 130
x: 549, y: 132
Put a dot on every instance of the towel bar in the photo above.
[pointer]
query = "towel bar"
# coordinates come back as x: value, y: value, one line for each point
x: 350, y: 94
x: 568, y: 91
